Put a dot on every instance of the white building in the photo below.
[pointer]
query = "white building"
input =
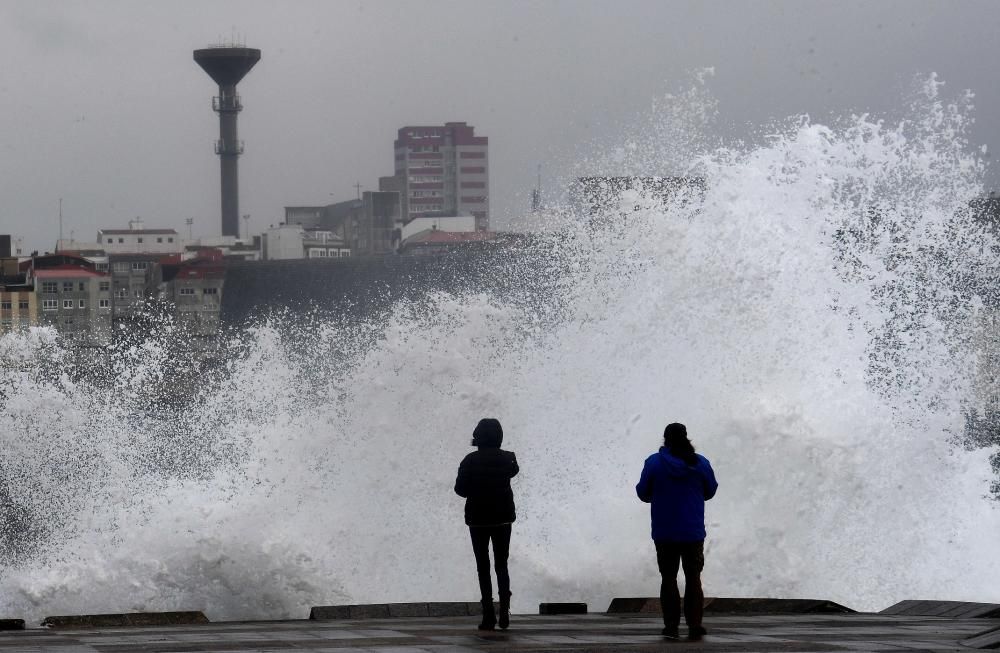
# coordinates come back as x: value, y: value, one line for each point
x: 136, y: 240
x: 456, y: 223
x: 291, y: 241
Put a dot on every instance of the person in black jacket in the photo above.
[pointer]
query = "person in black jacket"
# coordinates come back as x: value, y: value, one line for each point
x: 484, y: 480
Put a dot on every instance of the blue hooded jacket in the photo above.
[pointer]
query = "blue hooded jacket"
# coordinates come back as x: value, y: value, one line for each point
x: 677, y: 492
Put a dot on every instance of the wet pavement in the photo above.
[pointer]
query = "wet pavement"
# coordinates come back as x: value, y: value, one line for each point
x: 593, y: 632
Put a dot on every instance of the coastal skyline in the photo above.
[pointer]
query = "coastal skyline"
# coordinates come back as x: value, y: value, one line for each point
x: 106, y: 110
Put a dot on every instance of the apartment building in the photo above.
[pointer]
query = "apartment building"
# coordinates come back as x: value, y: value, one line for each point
x: 73, y: 296
x: 193, y: 288
x: 441, y: 170
x: 18, y: 308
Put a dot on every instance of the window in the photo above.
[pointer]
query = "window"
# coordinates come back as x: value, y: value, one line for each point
x: 121, y: 266
x: 186, y: 291
x: 105, y: 303
x: 123, y: 293
x: 121, y: 240
x: 23, y: 304
x: 67, y: 286
x: 67, y: 303
x: 6, y: 305
x: 102, y: 267
x: 170, y: 240
x: 139, y: 265
x: 139, y: 239
x: 105, y: 286
x: 50, y: 287
x: 50, y: 304
x: 83, y: 286
x: 82, y: 303
x: 210, y: 291
x: 159, y: 240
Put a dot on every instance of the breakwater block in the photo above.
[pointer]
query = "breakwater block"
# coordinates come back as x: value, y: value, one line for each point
x: 651, y: 605
x: 395, y: 610
x: 989, y: 639
x: 562, y: 608
x: 952, y: 609
x: 11, y: 624
x: 774, y: 606
x: 634, y: 605
x: 126, y: 619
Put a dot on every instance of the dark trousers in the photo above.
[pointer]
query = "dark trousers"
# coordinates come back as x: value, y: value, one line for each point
x: 481, y: 536
x: 690, y: 555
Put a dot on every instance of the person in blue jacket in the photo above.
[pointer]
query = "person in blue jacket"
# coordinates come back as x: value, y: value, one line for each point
x: 676, y: 481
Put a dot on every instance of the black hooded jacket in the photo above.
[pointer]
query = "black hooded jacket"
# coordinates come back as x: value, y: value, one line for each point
x: 484, y: 480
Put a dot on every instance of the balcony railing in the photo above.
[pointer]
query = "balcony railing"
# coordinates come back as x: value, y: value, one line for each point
x: 222, y: 147
x: 227, y: 103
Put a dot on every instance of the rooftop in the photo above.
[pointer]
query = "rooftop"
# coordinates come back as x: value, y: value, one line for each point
x: 137, y: 232
x: 439, y: 237
x: 67, y: 272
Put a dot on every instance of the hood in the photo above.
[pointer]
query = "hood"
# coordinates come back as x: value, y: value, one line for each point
x: 488, y: 433
x: 674, y: 465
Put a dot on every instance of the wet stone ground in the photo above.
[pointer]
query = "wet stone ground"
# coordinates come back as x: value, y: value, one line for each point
x: 594, y: 632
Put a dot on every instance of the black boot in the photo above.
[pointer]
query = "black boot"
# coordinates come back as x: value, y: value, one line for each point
x: 504, y: 619
x: 489, y: 616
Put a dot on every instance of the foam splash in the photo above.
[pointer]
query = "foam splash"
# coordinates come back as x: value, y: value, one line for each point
x: 805, y: 318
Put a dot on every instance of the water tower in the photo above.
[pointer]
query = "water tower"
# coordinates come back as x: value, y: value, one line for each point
x: 227, y: 64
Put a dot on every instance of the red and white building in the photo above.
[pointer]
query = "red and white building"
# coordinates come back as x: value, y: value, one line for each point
x: 442, y: 170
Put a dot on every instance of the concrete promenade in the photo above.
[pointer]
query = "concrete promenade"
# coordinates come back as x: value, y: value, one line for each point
x: 591, y: 632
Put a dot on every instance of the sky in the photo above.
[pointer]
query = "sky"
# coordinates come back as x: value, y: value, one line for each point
x: 103, y: 107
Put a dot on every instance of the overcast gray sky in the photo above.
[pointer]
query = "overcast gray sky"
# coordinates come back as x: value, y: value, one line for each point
x: 103, y: 106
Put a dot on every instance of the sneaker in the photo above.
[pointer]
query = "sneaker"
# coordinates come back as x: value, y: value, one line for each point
x: 670, y: 633
x: 695, y: 633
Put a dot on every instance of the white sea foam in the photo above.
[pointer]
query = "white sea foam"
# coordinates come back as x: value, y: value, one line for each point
x: 820, y: 358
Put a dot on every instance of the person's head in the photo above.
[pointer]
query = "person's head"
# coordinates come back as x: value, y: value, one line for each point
x: 488, y: 433
x: 675, y: 439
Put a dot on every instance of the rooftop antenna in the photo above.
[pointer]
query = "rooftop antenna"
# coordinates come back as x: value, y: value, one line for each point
x: 536, y: 194
x: 358, y: 187
x: 227, y: 65
x: 539, y: 185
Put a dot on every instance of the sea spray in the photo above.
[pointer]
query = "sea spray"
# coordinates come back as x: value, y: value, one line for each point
x: 808, y: 316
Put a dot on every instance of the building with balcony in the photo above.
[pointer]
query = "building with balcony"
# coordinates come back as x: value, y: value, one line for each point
x: 441, y: 170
